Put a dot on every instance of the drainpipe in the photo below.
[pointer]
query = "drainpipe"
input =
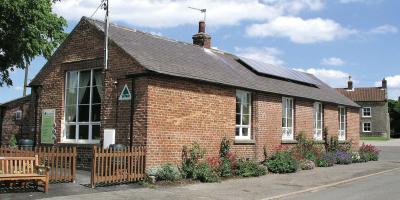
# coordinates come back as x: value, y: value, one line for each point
x: 132, y: 112
x: 36, y: 99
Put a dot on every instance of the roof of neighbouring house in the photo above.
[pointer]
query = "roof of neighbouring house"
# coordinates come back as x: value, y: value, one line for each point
x: 364, y: 94
x: 15, y: 100
x: 180, y: 59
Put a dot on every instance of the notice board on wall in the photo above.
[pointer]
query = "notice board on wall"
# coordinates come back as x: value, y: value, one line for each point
x: 48, y: 126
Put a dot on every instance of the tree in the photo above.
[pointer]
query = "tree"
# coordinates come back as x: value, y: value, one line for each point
x: 28, y: 28
x: 394, y: 112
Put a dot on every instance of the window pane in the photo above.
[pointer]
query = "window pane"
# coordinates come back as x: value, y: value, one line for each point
x: 84, y: 79
x: 70, y: 113
x: 245, y: 119
x: 237, y: 119
x: 96, y: 110
x: 72, y: 79
x: 246, y: 109
x: 96, y: 132
x: 238, y: 107
x: 238, y: 98
x: 289, y: 122
x: 319, y: 125
x: 84, y: 95
x: 245, y: 131
x: 83, y: 113
x: 83, y: 132
x: 70, y: 132
x: 71, y: 97
x: 97, y: 77
x: 284, y: 122
x: 237, y: 131
x: 96, y: 96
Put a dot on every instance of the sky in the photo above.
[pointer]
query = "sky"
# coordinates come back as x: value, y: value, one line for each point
x: 332, y: 39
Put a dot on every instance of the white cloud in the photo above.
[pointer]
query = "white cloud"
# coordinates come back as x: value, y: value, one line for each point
x: 334, y: 78
x: 263, y: 54
x: 384, y: 29
x: 359, y: 1
x: 18, y: 88
x: 332, y: 61
x: 170, y: 13
x: 299, y: 30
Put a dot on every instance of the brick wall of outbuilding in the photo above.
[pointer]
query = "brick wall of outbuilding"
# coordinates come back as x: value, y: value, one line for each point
x: 23, y: 128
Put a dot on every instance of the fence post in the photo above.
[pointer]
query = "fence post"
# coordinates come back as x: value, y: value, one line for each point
x: 93, y: 176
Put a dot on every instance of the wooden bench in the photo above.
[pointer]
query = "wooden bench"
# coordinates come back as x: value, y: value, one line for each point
x: 24, y: 169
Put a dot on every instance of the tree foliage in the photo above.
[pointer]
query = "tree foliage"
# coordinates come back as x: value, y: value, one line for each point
x: 394, y: 112
x: 28, y: 28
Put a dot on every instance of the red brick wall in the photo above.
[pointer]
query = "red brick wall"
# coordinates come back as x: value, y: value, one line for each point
x: 22, y: 129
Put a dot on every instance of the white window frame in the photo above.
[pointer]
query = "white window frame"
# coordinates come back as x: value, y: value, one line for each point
x: 18, y: 115
x: 287, y: 132
x: 318, y: 111
x: 241, y: 126
x: 370, y: 127
x: 370, y: 112
x: 76, y: 123
x: 342, y: 132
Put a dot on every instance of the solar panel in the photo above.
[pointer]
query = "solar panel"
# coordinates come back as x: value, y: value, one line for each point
x: 278, y: 71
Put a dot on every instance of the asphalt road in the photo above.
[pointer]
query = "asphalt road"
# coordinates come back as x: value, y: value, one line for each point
x: 382, y: 186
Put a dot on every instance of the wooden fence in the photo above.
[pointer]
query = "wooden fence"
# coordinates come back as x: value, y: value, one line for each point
x: 112, y: 166
x: 61, y: 160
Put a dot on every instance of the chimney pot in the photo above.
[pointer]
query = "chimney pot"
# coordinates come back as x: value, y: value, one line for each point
x: 202, y: 27
x: 384, y: 83
x: 350, y: 84
x: 202, y: 38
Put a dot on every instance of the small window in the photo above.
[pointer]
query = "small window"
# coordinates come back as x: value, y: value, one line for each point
x: 366, y: 112
x: 318, y: 121
x: 287, y: 118
x: 18, y: 115
x: 342, y: 123
x: 366, y: 126
x: 243, y: 115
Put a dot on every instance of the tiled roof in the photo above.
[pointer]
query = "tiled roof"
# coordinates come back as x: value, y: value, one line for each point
x: 364, y: 94
x: 180, y: 59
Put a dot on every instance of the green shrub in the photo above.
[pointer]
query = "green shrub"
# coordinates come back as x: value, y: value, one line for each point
x: 13, y: 141
x: 204, y: 172
x: 306, y: 149
x: 248, y: 168
x: 369, y: 152
x: 343, y: 158
x: 326, y: 160
x: 168, y: 172
x: 225, y: 168
x: 282, y: 162
x: 333, y: 145
x: 190, y: 159
x: 355, y: 157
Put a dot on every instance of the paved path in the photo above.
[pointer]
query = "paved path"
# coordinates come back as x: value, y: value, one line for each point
x: 247, y: 188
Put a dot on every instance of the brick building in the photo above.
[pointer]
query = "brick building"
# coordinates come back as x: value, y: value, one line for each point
x: 179, y: 93
x: 374, y: 115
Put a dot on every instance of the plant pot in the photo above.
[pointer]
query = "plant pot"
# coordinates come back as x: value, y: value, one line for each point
x: 25, y: 142
x: 117, y: 147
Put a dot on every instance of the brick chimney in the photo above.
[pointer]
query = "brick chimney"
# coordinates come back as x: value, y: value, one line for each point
x: 350, y: 84
x: 202, y: 38
x: 384, y: 83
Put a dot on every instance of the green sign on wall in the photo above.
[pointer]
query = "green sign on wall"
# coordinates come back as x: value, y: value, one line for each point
x: 47, y: 128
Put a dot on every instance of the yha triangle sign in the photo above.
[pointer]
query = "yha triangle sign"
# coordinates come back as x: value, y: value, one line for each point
x: 125, y: 94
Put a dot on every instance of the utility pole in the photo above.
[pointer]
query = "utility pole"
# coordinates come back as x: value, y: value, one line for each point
x: 106, y: 27
x: 26, y: 78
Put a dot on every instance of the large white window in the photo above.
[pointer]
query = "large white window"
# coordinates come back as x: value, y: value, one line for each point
x: 318, y: 121
x: 342, y: 123
x: 243, y: 115
x: 287, y: 119
x: 366, y: 112
x: 83, y: 93
x: 366, y: 127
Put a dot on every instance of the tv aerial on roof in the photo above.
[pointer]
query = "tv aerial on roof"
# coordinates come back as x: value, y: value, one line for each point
x: 202, y: 10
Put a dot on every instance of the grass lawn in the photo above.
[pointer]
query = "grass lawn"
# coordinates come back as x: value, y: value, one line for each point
x: 378, y: 138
